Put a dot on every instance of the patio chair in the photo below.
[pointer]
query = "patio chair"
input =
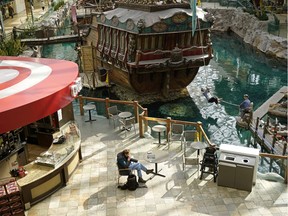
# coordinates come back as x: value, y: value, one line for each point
x: 113, y: 114
x: 189, y: 136
x: 189, y: 157
x: 176, y: 134
x: 123, y: 172
x: 127, y: 124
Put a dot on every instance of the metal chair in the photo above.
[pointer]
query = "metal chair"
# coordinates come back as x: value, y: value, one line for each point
x: 176, y: 133
x: 189, y: 136
x: 189, y: 157
x: 127, y: 124
x: 123, y: 172
x: 113, y: 114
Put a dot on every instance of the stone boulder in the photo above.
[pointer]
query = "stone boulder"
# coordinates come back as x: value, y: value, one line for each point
x: 252, y: 30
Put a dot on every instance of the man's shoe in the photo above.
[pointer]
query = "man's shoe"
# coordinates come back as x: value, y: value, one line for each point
x: 149, y: 171
x: 141, y: 180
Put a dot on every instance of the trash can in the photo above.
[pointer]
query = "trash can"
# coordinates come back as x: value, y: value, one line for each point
x: 243, y: 151
x: 244, y: 174
x: 102, y: 74
x: 236, y: 170
x: 226, y: 174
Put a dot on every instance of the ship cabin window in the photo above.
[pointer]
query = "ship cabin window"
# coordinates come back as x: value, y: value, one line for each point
x: 146, y: 43
x: 181, y: 43
x: 107, y: 37
x: 195, y: 39
x: 153, y: 42
x: 170, y: 41
x: 114, y: 39
x: 101, y: 35
x: 122, y: 42
x: 188, y: 39
x: 139, y: 43
x: 160, y: 42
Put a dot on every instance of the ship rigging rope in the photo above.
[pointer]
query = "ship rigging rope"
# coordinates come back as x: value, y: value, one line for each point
x: 202, y: 47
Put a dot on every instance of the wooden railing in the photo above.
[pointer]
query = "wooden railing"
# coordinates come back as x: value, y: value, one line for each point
x: 142, y: 118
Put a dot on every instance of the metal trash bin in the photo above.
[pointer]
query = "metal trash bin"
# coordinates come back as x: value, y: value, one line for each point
x: 244, y: 152
x: 226, y: 174
x: 236, y: 171
x: 244, y: 174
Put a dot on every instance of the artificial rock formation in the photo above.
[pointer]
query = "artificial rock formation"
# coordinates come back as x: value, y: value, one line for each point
x: 252, y: 30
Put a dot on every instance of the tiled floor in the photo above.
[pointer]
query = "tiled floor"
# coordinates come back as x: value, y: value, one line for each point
x: 92, y: 190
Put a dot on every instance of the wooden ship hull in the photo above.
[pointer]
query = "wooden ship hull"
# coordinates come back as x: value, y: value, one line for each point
x: 150, y: 48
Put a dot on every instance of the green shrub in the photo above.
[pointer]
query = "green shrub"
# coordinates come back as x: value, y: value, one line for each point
x: 10, y: 47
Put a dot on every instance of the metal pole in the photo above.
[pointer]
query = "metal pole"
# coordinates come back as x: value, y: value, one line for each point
x: 31, y: 8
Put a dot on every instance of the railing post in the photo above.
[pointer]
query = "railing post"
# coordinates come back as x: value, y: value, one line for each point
x: 106, y: 107
x: 168, y: 127
x: 284, y: 150
x: 199, y: 132
x: 145, y: 122
x: 136, y: 110
x: 141, y: 132
x: 81, y: 105
x: 256, y: 132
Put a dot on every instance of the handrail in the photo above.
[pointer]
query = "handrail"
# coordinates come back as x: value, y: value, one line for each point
x: 141, y: 116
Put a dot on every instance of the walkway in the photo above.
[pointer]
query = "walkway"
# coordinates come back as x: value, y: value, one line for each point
x: 92, y: 189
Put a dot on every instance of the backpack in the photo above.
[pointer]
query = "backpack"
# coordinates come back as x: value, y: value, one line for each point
x: 132, y: 183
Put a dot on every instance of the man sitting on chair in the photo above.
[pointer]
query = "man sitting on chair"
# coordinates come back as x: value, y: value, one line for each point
x: 125, y: 161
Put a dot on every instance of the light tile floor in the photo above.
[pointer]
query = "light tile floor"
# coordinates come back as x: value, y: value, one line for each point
x: 92, y: 189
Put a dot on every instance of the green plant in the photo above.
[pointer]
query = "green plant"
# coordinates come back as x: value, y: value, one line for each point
x: 58, y: 5
x: 10, y: 47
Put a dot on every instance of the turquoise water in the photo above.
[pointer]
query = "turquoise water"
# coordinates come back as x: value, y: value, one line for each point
x: 236, y: 69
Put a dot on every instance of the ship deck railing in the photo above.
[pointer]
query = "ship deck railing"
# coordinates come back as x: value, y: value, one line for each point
x: 164, y: 60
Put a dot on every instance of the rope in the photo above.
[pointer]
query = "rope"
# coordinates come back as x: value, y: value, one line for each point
x: 229, y: 103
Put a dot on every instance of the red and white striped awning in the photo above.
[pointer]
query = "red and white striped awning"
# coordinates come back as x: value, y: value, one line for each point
x: 33, y: 88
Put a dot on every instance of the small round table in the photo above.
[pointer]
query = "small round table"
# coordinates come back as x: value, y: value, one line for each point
x: 198, y: 146
x: 89, y: 107
x: 157, y: 156
x: 159, y: 129
x: 124, y: 115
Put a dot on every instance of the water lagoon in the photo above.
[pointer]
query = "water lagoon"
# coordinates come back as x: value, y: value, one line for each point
x: 236, y: 69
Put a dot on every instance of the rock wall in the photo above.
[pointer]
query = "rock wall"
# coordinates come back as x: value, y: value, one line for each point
x: 249, y: 28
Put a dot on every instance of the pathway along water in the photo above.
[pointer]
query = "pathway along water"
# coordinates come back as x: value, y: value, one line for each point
x: 236, y: 69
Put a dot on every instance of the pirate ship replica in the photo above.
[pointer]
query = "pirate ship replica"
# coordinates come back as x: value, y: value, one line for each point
x: 150, y: 46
